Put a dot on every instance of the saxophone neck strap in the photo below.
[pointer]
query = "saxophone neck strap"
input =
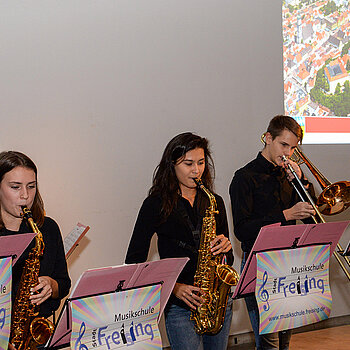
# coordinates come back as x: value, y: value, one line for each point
x: 184, y: 245
x: 196, y: 230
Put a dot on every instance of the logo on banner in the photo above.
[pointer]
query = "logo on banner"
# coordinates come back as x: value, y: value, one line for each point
x: 292, y: 287
x: 5, y: 301
x: 117, y: 320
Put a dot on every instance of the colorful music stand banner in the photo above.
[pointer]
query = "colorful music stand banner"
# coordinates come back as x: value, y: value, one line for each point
x: 5, y: 301
x: 121, y: 320
x: 292, y: 287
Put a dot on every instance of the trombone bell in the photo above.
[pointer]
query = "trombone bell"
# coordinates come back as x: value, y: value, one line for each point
x: 335, y: 198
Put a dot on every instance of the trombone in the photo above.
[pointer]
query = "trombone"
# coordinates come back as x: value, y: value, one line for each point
x: 333, y: 199
x: 318, y: 218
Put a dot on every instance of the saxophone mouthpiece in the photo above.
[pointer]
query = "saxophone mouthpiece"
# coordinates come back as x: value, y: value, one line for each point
x: 26, y: 213
x: 23, y: 207
x: 197, y: 181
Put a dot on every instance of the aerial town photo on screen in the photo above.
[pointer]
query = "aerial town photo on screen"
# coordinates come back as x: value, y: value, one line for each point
x: 316, y: 60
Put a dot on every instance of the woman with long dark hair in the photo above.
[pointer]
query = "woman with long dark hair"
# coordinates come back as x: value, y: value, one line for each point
x: 174, y: 209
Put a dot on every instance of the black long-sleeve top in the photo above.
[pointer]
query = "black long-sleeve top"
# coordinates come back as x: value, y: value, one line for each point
x: 259, y: 193
x: 52, y: 263
x: 175, y: 237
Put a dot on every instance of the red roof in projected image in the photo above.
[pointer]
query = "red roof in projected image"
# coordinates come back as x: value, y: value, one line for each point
x: 335, y: 70
x: 345, y: 58
x: 303, y: 74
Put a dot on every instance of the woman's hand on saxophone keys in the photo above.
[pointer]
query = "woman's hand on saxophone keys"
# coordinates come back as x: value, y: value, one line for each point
x: 190, y: 295
x: 220, y: 244
x: 46, y: 288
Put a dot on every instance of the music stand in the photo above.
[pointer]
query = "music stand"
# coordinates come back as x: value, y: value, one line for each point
x: 347, y: 250
x: 15, y: 245
x: 273, y: 237
x: 116, y: 278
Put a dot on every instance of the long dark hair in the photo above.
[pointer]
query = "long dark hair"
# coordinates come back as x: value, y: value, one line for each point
x: 165, y: 182
x: 12, y: 159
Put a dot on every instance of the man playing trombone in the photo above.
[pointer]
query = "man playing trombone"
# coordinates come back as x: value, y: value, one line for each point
x: 262, y: 193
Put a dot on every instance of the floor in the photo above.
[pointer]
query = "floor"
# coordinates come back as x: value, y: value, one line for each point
x: 335, y: 338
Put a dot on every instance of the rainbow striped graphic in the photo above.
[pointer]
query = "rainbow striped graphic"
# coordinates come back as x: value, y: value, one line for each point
x: 292, y: 287
x: 126, y: 319
x: 5, y: 301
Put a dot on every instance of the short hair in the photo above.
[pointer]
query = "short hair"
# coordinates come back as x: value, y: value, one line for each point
x: 282, y: 122
x: 12, y: 159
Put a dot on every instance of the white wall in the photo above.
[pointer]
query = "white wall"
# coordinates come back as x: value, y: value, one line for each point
x: 93, y: 90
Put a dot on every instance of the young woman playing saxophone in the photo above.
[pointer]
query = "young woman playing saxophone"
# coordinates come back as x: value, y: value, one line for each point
x: 18, y: 189
x: 174, y: 210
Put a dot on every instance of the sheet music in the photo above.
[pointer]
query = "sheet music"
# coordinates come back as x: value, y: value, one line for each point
x: 73, y: 238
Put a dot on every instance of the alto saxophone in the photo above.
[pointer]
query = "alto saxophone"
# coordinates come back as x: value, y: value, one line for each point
x: 212, y: 277
x: 28, y: 330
